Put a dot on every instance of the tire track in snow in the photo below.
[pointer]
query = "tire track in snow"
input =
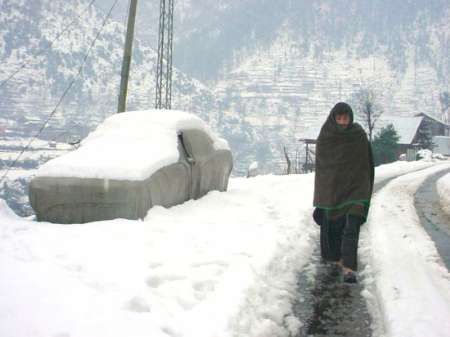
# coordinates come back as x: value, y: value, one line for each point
x: 435, y: 221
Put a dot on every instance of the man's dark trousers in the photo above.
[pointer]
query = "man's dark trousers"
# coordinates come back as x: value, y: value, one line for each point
x: 339, y: 240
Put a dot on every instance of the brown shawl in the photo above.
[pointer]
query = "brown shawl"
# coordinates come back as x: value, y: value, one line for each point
x: 344, y: 166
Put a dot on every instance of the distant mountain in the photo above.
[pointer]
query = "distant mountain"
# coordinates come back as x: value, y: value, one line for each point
x: 285, y: 81
x: 215, y: 36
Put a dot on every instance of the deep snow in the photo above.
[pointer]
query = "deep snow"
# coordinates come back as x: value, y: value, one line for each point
x: 225, y: 265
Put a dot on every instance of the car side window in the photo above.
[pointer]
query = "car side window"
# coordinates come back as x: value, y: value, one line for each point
x: 190, y: 158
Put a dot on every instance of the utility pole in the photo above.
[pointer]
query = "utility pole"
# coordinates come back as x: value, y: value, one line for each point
x: 163, y: 99
x: 127, y: 57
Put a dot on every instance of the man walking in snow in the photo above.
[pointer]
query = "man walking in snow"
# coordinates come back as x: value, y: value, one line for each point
x: 343, y: 187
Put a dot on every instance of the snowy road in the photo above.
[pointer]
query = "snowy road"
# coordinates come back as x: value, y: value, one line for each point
x: 326, y: 305
x: 435, y: 221
x: 330, y: 308
x: 232, y: 257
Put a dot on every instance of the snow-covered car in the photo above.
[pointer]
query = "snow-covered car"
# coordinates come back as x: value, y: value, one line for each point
x: 131, y: 162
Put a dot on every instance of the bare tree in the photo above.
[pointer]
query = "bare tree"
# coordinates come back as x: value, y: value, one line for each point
x: 365, y: 103
x: 288, y: 160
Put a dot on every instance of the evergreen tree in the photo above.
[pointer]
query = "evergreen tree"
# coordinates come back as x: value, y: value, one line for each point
x: 424, y: 136
x: 385, y: 145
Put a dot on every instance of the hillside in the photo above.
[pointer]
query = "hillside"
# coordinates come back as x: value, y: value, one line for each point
x: 28, y: 30
x: 280, y: 65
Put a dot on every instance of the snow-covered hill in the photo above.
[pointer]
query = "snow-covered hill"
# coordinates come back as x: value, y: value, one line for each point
x: 27, y: 29
x: 326, y: 52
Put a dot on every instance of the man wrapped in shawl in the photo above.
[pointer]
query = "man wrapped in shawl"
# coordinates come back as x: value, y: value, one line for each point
x: 343, y: 187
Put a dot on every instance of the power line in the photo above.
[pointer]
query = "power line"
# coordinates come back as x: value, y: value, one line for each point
x: 24, y: 64
x: 80, y: 69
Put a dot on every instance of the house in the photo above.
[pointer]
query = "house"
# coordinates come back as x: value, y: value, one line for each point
x: 438, y: 127
x: 409, y: 128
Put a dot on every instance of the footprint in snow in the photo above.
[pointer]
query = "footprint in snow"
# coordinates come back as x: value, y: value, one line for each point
x: 137, y: 304
x: 156, y: 281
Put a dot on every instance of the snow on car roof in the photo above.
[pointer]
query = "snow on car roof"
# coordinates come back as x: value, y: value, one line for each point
x: 128, y: 146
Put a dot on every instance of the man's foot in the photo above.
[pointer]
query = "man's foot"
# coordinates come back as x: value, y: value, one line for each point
x: 349, y: 276
x: 335, y: 269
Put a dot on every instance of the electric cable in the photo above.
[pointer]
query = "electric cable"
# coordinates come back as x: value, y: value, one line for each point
x: 66, y: 91
x: 24, y: 64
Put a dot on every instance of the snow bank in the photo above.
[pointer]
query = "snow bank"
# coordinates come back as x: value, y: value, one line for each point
x: 404, y: 269
x: 128, y: 146
x: 252, y: 170
x: 443, y: 188
x: 425, y: 154
x: 387, y: 171
x: 253, y: 166
x: 6, y: 213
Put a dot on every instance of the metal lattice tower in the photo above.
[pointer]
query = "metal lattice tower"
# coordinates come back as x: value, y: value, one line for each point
x: 163, y: 98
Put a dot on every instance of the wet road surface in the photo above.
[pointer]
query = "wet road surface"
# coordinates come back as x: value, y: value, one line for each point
x: 333, y: 307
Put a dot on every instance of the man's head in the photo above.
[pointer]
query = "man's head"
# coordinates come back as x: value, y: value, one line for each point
x: 342, y: 114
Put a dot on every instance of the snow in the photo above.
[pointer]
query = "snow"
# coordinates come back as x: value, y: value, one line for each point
x: 16, y: 174
x: 253, y: 166
x: 167, y: 273
x: 224, y: 265
x: 37, y: 144
x: 403, y: 267
x: 425, y: 154
x: 115, y: 149
x: 253, y: 170
x: 443, y: 188
x: 387, y: 171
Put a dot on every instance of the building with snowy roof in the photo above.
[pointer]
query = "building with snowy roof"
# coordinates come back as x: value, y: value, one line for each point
x: 408, y: 130
x: 438, y: 127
